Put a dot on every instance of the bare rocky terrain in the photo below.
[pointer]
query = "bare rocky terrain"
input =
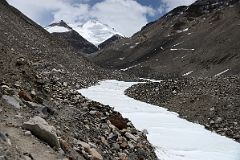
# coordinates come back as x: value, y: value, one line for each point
x: 212, y: 102
x: 42, y: 116
x: 202, y: 38
x: 193, y: 49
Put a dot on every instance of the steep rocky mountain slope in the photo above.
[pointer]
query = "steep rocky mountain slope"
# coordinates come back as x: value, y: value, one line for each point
x: 41, y: 114
x: 109, y: 41
x: 63, y: 31
x: 197, y: 40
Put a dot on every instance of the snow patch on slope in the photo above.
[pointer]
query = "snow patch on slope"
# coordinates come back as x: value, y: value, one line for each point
x: 181, y: 49
x: 151, y: 80
x: 219, y: 74
x: 188, y: 73
x: 57, y: 29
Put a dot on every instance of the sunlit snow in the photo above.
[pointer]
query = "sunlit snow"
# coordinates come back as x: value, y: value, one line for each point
x: 57, y: 29
x: 95, y: 31
x: 173, y: 137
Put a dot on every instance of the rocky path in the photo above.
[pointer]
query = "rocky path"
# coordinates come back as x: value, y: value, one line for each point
x: 173, y: 137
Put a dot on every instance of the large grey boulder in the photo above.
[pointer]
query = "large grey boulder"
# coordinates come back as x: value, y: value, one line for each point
x: 13, y: 101
x: 41, y: 129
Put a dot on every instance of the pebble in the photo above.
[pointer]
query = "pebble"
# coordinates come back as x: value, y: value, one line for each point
x: 130, y: 136
x: 27, y: 133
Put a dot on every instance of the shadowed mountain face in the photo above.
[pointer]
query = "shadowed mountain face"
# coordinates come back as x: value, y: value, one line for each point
x: 72, y: 37
x: 202, y: 39
x: 77, y: 41
x: 110, y: 41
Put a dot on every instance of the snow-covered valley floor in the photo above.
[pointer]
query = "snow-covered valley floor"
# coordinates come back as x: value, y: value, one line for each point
x: 173, y: 137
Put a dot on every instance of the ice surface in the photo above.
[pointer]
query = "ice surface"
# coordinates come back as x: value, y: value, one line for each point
x: 173, y: 137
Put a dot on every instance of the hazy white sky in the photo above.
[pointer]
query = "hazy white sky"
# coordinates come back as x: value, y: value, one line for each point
x: 126, y: 16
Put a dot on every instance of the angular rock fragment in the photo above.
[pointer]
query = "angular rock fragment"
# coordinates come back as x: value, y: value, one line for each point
x: 41, y: 129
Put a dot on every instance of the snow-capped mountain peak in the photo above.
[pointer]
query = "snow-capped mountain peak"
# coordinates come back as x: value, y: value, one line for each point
x: 95, y: 31
x: 92, y: 30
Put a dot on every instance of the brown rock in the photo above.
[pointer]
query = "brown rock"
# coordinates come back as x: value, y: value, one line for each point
x: 118, y: 121
x: 124, y: 145
x: 64, y: 145
x: 24, y: 95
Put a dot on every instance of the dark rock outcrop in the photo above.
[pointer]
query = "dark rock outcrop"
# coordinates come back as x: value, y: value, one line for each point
x: 74, y: 38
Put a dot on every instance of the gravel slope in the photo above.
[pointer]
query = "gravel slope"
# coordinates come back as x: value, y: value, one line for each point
x: 39, y: 78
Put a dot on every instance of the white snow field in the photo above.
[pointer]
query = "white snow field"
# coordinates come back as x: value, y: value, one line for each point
x: 173, y: 137
x: 95, y: 31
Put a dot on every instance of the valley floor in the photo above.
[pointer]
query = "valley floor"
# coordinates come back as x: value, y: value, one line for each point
x: 173, y: 137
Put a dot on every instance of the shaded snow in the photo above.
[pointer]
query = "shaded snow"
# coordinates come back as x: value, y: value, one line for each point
x: 219, y: 74
x: 184, y: 30
x: 178, y: 44
x: 125, y: 69
x: 135, y: 45
x: 151, y: 80
x: 173, y: 137
x: 188, y: 73
x: 182, y: 49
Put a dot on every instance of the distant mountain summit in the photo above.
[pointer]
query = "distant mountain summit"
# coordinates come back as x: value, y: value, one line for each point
x: 93, y: 30
x: 63, y: 31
